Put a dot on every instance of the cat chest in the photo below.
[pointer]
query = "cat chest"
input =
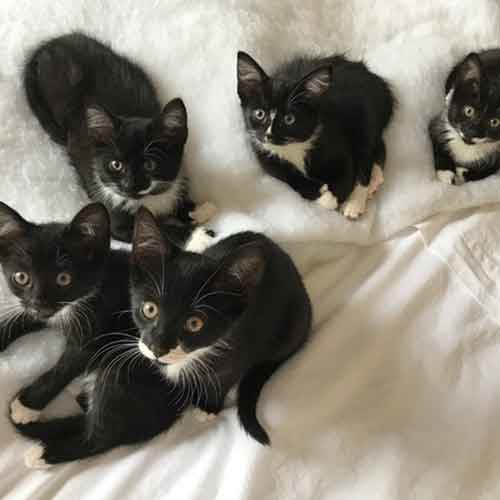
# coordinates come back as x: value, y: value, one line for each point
x: 465, y: 154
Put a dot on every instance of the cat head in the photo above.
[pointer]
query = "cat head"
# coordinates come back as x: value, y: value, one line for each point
x: 280, y: 112
x: 48, y: 266
x: 473, y: 102
x: 183, y: 303
x: 136, y: 157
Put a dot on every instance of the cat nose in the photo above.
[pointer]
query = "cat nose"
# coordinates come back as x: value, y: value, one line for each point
x: 41, y: 310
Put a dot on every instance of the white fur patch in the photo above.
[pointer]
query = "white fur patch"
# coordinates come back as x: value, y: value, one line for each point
x: 199, y: 241
x: 202, y: 416
x: 33, y: 458
x: 459, y: 176
x: 327, y: 199
x: 445, y: 176
x: 146, y: 351
x: 356, y: 204
x: 376, y: 180
x: 173, y: 370
x: 21, y: 414
x: 203, y: 213
x: 294, y: 153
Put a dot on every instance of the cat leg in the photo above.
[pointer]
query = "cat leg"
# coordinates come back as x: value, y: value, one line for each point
x: 355, y: 206
x: 122, y: 225
x: 32, y: 399
x: 377, y: 176
x: 203, y: 213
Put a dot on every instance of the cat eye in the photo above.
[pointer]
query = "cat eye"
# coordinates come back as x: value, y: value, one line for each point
x: 494, y: 122
x: 289, y: 119
x: 149, y: 165
x: 150, y: 310
x: 115, y: 165
x: 259, y: 114
x: 194, y: 324
x: 21, y: 278
x: 469, y: 111
x: 64, y: 279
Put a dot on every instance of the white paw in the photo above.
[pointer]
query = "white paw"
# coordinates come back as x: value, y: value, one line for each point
x: 33, y: 458
x: 446, y: 176
x: 327, y: 200
x: 459, y: 176
x: 21, y: 414
x: 203, y: 213
x: 199, y: 241
x: 376, y: 180
x: 202, y: 416
x: 356, y: 204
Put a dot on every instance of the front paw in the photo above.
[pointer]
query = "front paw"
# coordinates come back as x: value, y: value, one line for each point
x: 203, y: 213
x: 376, y: 180
x: 446, y: 176
x: 355, y: 206
x: 203, y: 416
x: 21, y: 414
x: 460, y: 176
x: 327, y: 199
x: 34, y: 458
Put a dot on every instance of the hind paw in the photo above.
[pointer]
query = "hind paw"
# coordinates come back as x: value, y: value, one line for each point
x: 203, y: 213
x: 34, y: 458
x: 327, y: 199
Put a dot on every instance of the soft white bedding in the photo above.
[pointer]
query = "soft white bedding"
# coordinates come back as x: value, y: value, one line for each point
x: 396, y: 396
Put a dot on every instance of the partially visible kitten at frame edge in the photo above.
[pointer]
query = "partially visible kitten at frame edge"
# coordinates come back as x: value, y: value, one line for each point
x: 466, y: 134
x: 231, y: 315
x: 316, y: 123
x: 126, y: 148
x: 61, y: 276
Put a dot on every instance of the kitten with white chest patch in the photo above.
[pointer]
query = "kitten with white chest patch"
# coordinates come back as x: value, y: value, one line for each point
x: 316, y: 124
x: 230, y: 315
x: 126, y: 148
x: 466, y: 134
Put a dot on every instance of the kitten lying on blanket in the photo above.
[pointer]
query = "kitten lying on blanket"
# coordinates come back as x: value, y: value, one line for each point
x: 466, y: 135
x: 126, y: 149
x: 231, y: 315
x: 316, y: 124
x: 62, y: 276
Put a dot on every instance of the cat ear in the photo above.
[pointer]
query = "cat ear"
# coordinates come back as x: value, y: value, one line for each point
x: 100, y: 124
x: 470, y: 69
x: 251, y: 77
x: 12, y: 226
x: 89, y: 232
x: 245, y: 267
x: 315, y: 84
x: 172, y: 123
x: 148, y: 240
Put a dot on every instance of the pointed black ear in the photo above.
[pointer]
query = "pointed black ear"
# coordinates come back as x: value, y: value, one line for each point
x: 101, y: 125
x: 315, y: 84
x: 12, y: 226
x: 148, y: 240
x: 470, y: 69
x: 88, y: 234
x: 172, y: 123
x: 245, y: 267
x: 251, y: 77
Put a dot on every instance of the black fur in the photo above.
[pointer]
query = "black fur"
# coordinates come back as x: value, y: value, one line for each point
x: 246, y: 296
x: 472, y: 87
x: 103, y: 108
x: 340, y: 102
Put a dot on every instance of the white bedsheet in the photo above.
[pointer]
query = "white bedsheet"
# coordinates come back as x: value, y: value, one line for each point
x: 396, y: 395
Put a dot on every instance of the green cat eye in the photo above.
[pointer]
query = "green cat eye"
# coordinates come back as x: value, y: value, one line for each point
x: 469, y: 111
x: 494, y: 122
x: 21, y: 278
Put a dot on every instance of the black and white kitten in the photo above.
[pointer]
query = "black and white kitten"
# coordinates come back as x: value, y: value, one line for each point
x: 316, y: 123
x: 466, y: 134
x: 231, y: 315
x: 126, y: 148
x: 61, y: 276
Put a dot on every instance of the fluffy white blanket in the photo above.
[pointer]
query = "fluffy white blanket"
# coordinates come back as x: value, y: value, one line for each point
x: 189, y: 46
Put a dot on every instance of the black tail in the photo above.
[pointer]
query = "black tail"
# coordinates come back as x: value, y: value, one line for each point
x: 248, y: 395
x: 51, y: 429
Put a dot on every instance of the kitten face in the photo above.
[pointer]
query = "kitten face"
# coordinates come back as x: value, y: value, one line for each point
x: 48, y: 266
x: 184, y: 304
x: 136, y: 157
x: 474, y: 103
x: 279, y: 112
